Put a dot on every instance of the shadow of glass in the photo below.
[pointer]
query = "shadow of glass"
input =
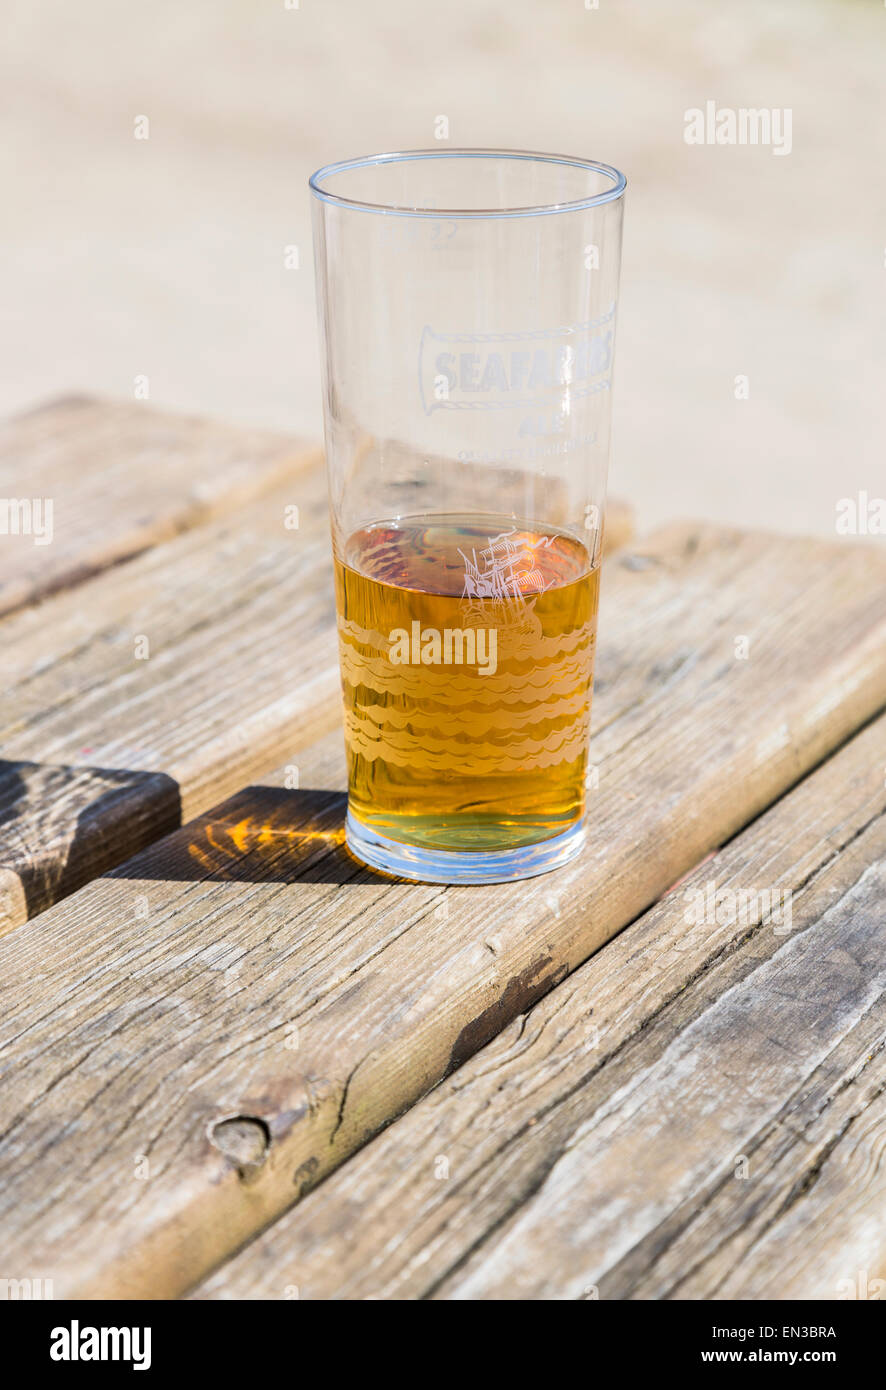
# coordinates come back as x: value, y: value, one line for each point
x: 261, y: 835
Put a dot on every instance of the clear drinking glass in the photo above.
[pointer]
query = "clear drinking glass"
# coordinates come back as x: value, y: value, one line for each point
x: 467, y: 308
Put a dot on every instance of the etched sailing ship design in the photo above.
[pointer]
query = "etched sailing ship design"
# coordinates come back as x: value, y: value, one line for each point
x: 497, y: 582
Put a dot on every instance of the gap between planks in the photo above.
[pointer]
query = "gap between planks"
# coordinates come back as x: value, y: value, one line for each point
x: 246, y: 968
x: 699, y: 1111
x: 120, y: 477
x: 103, y: 751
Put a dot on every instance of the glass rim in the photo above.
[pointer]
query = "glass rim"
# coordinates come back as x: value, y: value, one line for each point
x: 608, y: 195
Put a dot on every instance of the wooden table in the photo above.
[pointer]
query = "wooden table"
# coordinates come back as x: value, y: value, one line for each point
x: 236, y: 1064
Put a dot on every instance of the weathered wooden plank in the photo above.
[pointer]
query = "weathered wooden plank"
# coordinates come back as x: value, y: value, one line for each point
x: 119, y: 478
x: 173, y: 679
x: 207, y: 660
x: 697, y: 1112
x: 245, y: 969
x: 812, y: 1224
x: 680, y: 1128
x: 61, y: 826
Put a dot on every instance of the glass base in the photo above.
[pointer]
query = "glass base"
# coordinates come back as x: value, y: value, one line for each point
x: 444, y: 866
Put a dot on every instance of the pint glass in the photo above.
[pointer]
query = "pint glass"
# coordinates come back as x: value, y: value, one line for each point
x: 467, y: 303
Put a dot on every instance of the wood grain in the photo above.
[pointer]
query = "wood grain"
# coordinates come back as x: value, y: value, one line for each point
x: 687, y: 1122
x: 123, y: 477
x: 176, y: 678
x: 592, y: 1148
x: 179, y: 676
x: 61, y: 826
x: 246, y: 969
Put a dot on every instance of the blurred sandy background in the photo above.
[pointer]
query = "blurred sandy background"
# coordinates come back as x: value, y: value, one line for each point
x: 165, y: 257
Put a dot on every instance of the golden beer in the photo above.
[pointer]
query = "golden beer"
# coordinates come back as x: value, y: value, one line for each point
x: 467, y: 648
